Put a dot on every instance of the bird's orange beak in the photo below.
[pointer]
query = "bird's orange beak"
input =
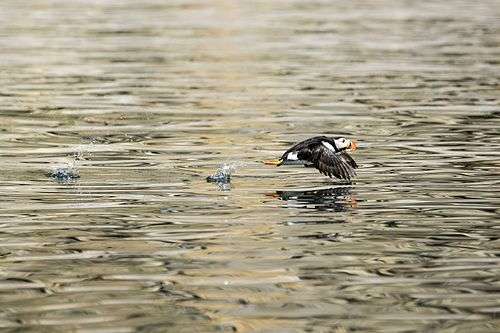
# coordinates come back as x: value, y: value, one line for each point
x: 273, y: 162
x: 353, y: 146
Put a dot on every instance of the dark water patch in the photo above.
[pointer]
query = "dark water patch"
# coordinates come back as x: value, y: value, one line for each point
x: 335, y: 198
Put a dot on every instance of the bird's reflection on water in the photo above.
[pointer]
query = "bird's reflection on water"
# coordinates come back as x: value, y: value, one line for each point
x: 337, y: 199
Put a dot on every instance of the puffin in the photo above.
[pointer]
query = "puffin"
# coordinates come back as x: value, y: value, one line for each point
x: 327, y: 154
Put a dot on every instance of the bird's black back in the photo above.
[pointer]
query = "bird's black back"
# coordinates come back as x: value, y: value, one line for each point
x: 307, y: 147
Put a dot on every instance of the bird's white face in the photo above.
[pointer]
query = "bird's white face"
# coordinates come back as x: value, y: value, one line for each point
x: 343, y: 143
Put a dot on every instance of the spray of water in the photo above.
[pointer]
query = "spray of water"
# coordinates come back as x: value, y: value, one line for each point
x: 222, y: 177
x: 69, y: 172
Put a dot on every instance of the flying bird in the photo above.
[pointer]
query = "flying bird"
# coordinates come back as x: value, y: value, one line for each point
x: 327, y: 154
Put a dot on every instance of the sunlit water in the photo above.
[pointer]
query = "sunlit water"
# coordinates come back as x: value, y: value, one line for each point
x: 143, y: 100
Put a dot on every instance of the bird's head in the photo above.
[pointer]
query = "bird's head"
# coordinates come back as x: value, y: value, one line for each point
x: 343, y: 144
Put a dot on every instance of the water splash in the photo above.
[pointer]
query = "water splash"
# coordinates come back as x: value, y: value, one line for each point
x: 69, y: 172
x: 222, y: 177
x: 223, y: 174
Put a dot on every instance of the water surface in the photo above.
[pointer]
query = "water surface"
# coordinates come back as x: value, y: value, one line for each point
x: 144, y: 100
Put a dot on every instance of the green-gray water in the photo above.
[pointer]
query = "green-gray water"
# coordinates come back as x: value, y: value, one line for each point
x: 145, y: 99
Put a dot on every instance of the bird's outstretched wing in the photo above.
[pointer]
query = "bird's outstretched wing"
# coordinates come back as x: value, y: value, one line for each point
x: 330, y: 163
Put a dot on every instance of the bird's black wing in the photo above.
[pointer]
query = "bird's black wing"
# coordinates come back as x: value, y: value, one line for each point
x: 305, y: 148
x: 329, y: 163
x: 349, y: 160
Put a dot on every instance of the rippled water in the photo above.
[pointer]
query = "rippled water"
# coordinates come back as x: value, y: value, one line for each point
x: 145, y: 99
